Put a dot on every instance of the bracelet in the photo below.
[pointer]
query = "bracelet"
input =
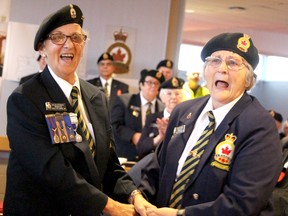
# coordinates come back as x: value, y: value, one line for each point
x: 181, y: 212
x: 132, y: 196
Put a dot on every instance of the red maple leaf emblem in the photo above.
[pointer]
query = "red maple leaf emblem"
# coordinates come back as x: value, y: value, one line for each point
x: 118, y: 56
x: 244, y: 42
x: 226, y: 150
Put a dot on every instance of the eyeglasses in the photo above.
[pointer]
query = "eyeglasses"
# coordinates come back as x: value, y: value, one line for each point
x: 232, y: 64
x: 150, y: 83
x: 60, y: 38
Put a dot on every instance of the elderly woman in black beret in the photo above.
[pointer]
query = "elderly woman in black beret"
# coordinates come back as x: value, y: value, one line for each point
x: 220, y: 154
x: 62, y: 159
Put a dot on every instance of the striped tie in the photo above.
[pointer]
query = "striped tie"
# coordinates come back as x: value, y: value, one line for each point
x: 191, y: 163
x: 106, y: 90
x: 81, y: 122
x: 149, y: 111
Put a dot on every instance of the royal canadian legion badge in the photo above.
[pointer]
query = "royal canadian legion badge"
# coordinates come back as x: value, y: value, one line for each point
x: 120, y: 52
x: 224, y: 152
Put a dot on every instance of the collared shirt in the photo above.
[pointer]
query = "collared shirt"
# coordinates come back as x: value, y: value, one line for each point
x: 67, y: 88
x: 201, y: 124
x: 166, y: 114
x: 144, y: 107
x: 109, y: 81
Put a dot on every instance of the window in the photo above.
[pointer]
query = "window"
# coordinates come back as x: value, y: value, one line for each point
x: 270, y: 68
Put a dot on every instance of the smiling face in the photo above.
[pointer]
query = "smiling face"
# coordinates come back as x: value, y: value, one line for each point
x: 149, y: 88
x: 171, y: 97
x: 64, y: 59
x: 225, y: 85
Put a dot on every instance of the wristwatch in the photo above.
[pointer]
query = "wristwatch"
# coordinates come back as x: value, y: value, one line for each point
x: 132, y: 196
x: 181, y: 212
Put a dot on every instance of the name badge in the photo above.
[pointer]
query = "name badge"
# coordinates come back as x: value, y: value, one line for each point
x: 179, y: 130
x: 57, y: 107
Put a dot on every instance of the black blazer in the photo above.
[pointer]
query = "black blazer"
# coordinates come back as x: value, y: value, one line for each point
x: 117, y: 88
x: 59, y: 179
x: 150, y: 130
x: 244, y: 187
x: 126, y: 120
x: 25, y: 78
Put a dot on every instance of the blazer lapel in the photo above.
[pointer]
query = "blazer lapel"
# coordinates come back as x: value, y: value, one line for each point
x: 53, y: 89
x: 219, y: 134
x: 94, y: 105
x: 135, y: 102
x: 179, y: 140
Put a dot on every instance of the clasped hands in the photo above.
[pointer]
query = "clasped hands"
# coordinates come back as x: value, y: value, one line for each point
x: 144, y: 208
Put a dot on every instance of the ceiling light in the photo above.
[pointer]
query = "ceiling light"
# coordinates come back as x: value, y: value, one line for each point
x: 237, y: 8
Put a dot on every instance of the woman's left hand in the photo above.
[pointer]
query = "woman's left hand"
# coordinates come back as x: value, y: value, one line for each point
x: 161, y: 212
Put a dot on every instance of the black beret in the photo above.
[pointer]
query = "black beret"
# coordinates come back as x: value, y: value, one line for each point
x: 105, y: 56
x: 235, y: 42
x: 173, y: 83
x: 165, y: 63
x: 277, y: 116
x: 66, y: 15
x: 153, y: 73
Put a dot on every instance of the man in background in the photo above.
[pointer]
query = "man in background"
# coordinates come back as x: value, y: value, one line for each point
x: 166, y: 67
x: 42, y: 64
x: 129, y: 113
x: 278, y: 122
x: 111, y: 87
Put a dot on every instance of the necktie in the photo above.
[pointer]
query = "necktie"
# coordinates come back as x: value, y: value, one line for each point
x: 106, y: 90
x: 191, y: 163
x: 81, y: 122
x: 149, y: 110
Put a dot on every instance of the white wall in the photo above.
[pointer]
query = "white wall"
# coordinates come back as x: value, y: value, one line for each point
x: 147, y: 19
x: 268, y: 43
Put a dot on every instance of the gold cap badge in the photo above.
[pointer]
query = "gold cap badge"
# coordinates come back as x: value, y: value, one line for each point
x: 72, y: 12
x: 159, y: 74
x: 243, y: 43
x: 175, y: 82
x: 169, y: 64
x: 105, y: 56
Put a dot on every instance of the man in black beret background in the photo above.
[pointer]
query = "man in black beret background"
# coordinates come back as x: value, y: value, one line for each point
x: 278, y: 118
x: 110, y: 86
x: 221, y: 153
x: 129, y: 113
x: 62, y: 159
x: 166, y: 68
x: 41, y: 63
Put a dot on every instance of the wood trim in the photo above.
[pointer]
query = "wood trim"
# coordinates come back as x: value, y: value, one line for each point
x: 4, y: 143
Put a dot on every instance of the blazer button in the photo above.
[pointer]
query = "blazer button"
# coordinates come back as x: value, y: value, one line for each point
x: 195, y: 196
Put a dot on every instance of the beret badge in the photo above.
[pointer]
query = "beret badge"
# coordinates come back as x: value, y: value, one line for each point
x: 105, y: 56
x: 169, y: 64
x: 159, y: 74
x: 175, y: 82
x: 72, y: 12
x: 243, y: 43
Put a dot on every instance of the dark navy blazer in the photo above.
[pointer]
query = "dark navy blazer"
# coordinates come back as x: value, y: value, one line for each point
x: 59, y: 179
x: 244, y: 189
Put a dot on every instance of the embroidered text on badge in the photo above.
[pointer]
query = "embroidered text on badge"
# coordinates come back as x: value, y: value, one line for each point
x: 57, y: 107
